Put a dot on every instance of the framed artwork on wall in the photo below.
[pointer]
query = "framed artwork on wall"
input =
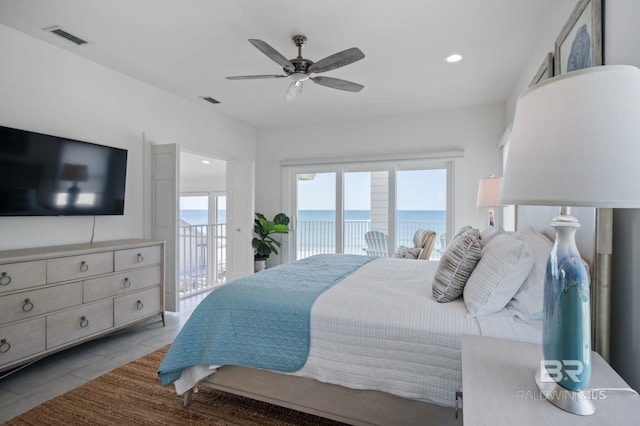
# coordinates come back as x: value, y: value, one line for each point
x: 545, y: 71
x: 579, y: 44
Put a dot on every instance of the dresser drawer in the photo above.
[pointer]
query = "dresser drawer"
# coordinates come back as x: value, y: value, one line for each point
x: 138, y: 305
x: 123, y: 282
x: 79, y: 267
x: 21, y: 340
x: 22, y: 275
x: 28, y: 304
x: 137, y: 257
x: 83, y: 321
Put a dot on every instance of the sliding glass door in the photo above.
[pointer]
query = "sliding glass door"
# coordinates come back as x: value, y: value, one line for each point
x: 421, y: 203
x: 369, y: 209
x: 315, y: 228
x: 366, y: 213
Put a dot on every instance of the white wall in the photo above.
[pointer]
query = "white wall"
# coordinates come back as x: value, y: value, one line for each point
x: 49, y: 90
x: 559, y: 11
x: 476, y: 130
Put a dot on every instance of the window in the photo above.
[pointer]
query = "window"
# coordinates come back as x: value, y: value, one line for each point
x: 315, y: 214
x: 421, y: 203
x: 367, y: 208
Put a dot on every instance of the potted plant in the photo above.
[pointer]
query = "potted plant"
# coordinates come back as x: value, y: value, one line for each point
x: 264, y: 244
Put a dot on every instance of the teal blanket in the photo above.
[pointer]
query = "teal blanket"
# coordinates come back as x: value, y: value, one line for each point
x: 259, y: 321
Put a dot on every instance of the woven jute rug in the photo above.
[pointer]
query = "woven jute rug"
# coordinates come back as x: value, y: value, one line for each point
x: 133, y: 395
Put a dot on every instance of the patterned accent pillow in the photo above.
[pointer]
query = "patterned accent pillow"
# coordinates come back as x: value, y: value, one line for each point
x: 462, y: 230
x: 456, y: 265
x: 505, y: 264
x: 489, y: 234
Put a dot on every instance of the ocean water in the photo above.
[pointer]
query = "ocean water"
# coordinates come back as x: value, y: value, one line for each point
x: 402, y: 215
x: 316, y: 228
x: 199, y: 217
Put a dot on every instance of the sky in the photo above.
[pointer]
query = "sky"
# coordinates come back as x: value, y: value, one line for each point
x: 416, y: 190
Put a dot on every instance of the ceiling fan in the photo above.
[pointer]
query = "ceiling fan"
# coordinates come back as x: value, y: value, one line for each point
x: 300, y: 69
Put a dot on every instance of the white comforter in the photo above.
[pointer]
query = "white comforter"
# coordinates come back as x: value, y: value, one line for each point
x: 380, y: 329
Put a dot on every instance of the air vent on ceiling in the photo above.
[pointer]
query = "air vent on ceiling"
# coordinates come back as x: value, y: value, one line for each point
x: 66, y: 35
x: 209, y: 99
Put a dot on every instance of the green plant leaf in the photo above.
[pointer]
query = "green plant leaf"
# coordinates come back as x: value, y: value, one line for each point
x: 264, y: 245
x: 281, y: 219
x: 280, y: 229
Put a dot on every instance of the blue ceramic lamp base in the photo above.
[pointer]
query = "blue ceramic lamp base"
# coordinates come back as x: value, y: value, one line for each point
x: 565, y: 373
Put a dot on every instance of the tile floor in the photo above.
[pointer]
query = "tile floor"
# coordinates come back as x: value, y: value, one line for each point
x: 63, y: 371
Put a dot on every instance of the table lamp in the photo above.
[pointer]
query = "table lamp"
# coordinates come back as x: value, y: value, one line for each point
x: 489, y: 195
x: 575, y: 142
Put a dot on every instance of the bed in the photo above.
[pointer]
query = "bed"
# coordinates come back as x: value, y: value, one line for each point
x: 381, y: 349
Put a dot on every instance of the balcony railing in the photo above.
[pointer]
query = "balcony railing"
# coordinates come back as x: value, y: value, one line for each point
x: 319, y: 236
x: 202, y: 248
x: 201, y: 257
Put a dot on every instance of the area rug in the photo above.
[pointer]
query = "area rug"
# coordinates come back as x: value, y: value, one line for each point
x: 133, y: 395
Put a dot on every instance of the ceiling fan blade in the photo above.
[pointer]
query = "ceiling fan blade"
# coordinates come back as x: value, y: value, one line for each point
x: 251, y: 77
x: 336, y: 83
x: 337, y: 60
x: 272, y: 53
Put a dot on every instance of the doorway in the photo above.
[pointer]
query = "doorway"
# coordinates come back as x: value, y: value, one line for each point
x: 163, y: 184
x: 201, y: 247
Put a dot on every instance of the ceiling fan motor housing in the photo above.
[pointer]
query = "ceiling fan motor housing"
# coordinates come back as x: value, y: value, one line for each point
x: 299, y: 63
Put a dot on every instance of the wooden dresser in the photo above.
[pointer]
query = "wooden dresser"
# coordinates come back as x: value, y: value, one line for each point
x: 52, y: 298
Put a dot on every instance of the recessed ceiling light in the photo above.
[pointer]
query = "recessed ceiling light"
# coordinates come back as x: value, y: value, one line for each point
x: 206, y: 162
x: 454, y: 58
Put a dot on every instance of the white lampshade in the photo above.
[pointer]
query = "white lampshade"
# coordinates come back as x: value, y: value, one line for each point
x: 489, y: 192
x: 576, y: 141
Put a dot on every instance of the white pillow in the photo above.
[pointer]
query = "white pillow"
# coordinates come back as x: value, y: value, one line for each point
x: 455, y: 267
x: 505, y: 264
x: 528, y: 301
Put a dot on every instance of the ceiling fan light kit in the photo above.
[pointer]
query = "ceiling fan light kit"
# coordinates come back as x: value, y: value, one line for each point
x: 300, y: 69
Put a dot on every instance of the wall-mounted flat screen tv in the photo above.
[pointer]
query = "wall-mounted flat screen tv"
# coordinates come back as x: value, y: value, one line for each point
x: 43, y: 175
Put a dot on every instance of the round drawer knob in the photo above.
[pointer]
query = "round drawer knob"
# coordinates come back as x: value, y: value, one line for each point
x: 84, y: 266
x: 139, y: 258
x: 127, y: 283
x: 27, y: 305
x: 4, y: 346
x: 5, y: 279
x: 84, y: 322
x: 139, y: 305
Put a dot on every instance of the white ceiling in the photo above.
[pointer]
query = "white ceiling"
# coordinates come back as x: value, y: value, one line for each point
x: 188, y: 47
x: 195, y: 174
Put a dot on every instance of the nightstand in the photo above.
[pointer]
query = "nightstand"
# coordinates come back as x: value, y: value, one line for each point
x: 499, y: 388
